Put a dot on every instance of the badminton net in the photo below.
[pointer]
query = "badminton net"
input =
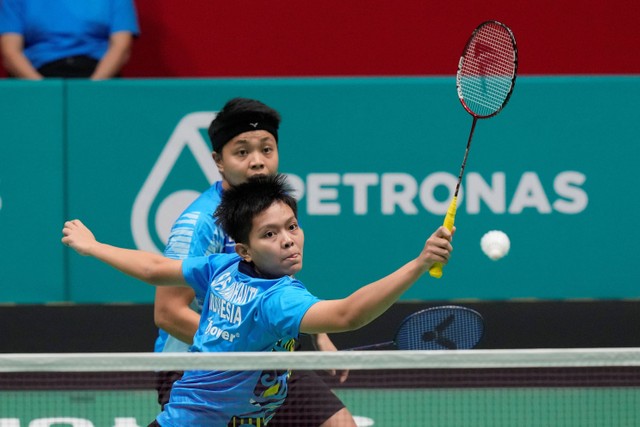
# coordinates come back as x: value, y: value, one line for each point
x: 524, y: 388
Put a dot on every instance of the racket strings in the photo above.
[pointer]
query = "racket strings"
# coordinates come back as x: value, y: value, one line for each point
x: 441, y: 329
x: 487, y: 70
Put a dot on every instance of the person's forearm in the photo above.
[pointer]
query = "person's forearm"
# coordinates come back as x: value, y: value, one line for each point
x: 322, y: 342
x: 370, y: 301
x: 114, y: 59
x: 172, y: 312
x: 146, y: 266
x: 141, y: 265
x: 14, y: 59
x: 181, y: 323
x: 108, y: 67
x: 19, y: 66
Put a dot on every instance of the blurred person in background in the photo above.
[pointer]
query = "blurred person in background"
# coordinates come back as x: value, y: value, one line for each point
x: 66, y: 38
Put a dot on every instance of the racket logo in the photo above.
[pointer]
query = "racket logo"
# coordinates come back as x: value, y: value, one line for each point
x: 482, y: 49
x: 437, y: 335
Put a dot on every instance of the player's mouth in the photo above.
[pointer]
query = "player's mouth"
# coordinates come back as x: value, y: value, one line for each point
x: 262, y: 173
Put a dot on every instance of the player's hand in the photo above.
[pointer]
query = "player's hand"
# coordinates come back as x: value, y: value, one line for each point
x: 323, y: 343
x: 77, y: 236
x: 438, y: 247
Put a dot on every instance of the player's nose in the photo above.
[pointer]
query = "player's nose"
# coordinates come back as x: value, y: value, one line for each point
x: 287, y: 241
x: 257, y: 162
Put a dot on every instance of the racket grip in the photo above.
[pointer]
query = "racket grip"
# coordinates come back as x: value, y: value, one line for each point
x: 449, y: 219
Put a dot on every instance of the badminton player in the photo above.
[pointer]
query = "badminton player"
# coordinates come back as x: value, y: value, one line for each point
x: 253, y: 302
x: 244, y: 139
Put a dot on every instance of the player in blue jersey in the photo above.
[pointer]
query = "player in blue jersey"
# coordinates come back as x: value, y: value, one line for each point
x: 253, y: 302
x: 244, y: 139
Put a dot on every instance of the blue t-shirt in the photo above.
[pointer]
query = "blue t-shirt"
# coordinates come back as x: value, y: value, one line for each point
x: 195, y: 233
x: 56, y: 29
x: 241, y: 312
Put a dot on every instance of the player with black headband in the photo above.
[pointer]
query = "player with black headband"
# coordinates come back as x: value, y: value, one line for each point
x: 244, y: 139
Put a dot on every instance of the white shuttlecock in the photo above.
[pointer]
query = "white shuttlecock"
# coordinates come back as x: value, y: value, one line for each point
x: 495, y: 244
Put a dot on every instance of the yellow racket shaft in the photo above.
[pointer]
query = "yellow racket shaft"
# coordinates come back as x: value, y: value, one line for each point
x: 449, y: 219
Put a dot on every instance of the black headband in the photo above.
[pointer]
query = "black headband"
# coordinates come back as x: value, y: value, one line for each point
x: 248, y: 123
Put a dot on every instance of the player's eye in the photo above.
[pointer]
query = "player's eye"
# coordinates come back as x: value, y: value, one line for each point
x: 293, y: 226
x: 269, y: 234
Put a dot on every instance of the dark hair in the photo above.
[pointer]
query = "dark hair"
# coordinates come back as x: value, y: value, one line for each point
x: 241, y: 115
x: 242, y: 203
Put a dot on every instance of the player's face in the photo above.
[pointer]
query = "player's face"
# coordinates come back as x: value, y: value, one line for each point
x: 246, y: 155
x: 276, y: 242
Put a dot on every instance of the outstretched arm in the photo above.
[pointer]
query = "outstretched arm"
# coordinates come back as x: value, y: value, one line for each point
x: 370, y: 301
x: 146, y: 266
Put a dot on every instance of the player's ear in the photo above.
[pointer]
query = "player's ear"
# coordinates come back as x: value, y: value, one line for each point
x: 243, y: 251
x: 217, y: 158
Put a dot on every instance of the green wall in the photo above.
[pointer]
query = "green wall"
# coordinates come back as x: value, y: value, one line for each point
x: 32, y: 190
x: 372, y: 158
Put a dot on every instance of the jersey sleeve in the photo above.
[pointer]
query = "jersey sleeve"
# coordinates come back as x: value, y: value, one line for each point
x: 284, y: 306
x: 124, y: 17
x: 194, y: 234
x: 198, y: 272
x: 11, y: 17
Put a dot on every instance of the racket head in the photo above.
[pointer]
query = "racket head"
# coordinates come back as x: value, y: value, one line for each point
x: 449, y: 327
x: 487, y: 70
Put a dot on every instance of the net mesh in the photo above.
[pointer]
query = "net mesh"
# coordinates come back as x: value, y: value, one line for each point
x: 594, y: 387
x: 487, y: 70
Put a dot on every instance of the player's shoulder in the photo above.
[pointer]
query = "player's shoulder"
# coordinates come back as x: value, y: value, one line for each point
x: 207, y: 267
x: 285, y: 284
x: 218, y: 262
x: 202, y: 208
x: 208, y: 200
x: 195, y: 232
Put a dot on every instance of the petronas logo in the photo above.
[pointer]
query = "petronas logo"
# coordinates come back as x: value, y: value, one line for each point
x: 186, y: 136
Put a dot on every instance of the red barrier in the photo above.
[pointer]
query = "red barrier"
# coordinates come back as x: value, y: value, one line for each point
x: 250, y: 38
x: 376, y: 37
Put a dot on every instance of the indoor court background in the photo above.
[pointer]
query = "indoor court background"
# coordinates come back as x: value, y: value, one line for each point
x: 367, y: 91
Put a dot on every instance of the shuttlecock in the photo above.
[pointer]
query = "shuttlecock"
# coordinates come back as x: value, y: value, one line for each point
x: 495, y: 244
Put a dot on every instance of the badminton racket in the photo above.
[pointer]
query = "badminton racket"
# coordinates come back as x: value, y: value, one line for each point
x: 448, y: 327
x: 485, y: 80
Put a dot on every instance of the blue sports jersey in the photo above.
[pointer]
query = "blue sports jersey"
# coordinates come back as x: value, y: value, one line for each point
x: 241, y: 312
x: 195, y: 233
x: 59, y: 29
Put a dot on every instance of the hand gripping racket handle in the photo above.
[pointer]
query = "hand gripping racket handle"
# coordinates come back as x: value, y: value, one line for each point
x: 449, y: 219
